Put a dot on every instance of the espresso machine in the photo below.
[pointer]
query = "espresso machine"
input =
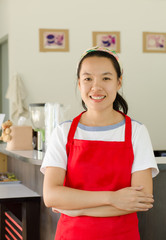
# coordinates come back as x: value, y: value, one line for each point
x: 37, y: 114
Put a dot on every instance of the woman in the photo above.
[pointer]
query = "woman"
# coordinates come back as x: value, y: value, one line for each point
x: 99, y: 167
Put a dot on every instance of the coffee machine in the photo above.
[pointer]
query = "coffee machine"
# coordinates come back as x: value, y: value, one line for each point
x: 37, y: 114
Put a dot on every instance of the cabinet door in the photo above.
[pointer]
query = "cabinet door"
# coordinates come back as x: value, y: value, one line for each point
x: 3, y: 163
x: 152, y: 224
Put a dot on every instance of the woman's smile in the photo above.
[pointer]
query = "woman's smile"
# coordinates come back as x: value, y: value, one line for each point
x: 97, y: 98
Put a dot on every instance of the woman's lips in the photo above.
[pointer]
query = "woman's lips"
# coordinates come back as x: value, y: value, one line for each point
x: 97, y: 98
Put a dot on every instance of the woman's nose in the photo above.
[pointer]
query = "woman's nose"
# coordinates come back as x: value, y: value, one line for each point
x: 96, y: 85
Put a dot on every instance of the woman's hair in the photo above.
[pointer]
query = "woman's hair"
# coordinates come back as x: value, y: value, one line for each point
x: 119, y: 103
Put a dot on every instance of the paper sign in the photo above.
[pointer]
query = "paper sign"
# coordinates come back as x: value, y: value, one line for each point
x: 2, y: 116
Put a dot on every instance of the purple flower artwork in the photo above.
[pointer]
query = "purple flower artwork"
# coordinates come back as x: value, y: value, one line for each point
x: 53, y: 40
x: 56, y: 39
x: 107, y: 39
x: 154, y: 42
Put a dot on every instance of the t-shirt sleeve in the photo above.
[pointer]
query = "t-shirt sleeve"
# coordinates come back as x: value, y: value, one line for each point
x: 55, y: 155
x: 143, y: 152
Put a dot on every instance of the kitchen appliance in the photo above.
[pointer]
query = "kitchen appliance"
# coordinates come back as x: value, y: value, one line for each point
x: 37, y: 114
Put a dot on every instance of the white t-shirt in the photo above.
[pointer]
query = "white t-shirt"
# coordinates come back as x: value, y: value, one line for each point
x: 143, y: 153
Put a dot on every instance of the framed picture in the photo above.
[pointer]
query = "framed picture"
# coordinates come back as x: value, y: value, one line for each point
x: 54, y: 40
x: 154, y: 42
x: 107, y: 39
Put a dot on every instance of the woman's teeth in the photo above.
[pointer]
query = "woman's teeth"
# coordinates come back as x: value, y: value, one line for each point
x: 97, y: 97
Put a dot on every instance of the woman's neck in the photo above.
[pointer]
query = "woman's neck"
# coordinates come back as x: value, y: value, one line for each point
x: 96, y: 118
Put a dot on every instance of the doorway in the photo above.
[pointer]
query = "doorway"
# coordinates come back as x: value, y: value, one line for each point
x: 4, y: 77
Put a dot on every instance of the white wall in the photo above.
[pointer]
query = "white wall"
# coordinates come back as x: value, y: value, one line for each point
x: 52, y: 76
x: 4, y: 19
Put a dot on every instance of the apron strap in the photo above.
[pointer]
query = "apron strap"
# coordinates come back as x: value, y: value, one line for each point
x: 72, y: 131
x: 128, y: 130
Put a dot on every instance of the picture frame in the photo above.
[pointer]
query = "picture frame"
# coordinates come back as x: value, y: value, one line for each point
x: 154, y: 42
x: 53, y: 40
x: 107, y: 39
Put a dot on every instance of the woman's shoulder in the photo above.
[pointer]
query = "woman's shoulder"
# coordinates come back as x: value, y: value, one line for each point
x: 63, y: 127
x: 136, y: 124
x: 139, y: 129
x: 65, y: 124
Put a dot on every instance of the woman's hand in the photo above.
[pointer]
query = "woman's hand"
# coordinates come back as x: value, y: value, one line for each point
x: 132, y: 199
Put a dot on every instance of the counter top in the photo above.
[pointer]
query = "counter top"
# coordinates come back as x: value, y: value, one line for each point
x: 161, y: 160
x: 14, y: 190
x: 32, y: 156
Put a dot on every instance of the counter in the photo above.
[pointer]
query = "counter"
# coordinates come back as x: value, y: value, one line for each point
x: 19, y: 211
x: 26, y: 166
x: 161, y: 160
x: 33, y: 156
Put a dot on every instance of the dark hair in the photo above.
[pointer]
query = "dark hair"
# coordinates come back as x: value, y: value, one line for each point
x: 119, y: 103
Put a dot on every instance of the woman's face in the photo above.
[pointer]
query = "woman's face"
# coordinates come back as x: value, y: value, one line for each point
x: 98, y: 83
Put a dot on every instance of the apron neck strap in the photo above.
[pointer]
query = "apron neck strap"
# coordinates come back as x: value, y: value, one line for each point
x: 72, y: 132
x: 128, y: 130
x: 73, y: 128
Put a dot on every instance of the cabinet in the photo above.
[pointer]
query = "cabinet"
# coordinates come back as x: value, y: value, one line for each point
x: 26, y: 166
x: 19, y: 212
x: 152, y: 224
x: 3, y: 163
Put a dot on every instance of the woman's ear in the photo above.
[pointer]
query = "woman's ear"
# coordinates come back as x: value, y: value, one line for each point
x: 79, y: 83
x: 120, y: 82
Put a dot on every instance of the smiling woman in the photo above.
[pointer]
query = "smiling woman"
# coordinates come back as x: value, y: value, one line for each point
x: 98, y: 84
x: 99, y: 167
x: 116, y: 72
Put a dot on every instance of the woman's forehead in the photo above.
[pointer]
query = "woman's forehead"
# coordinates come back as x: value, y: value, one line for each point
x: 97, y: 65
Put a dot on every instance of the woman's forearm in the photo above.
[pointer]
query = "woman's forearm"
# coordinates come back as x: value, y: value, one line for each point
x: 102, y: 211
x: 129, y: 199
x: 74, y: 198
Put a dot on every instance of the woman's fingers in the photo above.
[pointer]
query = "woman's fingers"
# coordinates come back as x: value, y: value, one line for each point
x: 145, y: 200
x: 132, y: 198
x: 143, y: 207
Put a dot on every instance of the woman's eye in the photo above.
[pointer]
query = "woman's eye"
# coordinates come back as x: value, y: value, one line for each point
x: 88, y: 79
x: 106, y: 78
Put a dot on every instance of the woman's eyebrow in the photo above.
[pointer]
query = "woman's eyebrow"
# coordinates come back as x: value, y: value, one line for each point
x: 86, y: 73
x: 107, y: 73
x: 103, y: 74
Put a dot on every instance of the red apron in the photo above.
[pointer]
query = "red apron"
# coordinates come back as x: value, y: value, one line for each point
x: 98, y: 166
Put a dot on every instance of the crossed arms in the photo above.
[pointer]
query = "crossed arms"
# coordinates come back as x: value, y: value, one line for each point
x: 73, y: 202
